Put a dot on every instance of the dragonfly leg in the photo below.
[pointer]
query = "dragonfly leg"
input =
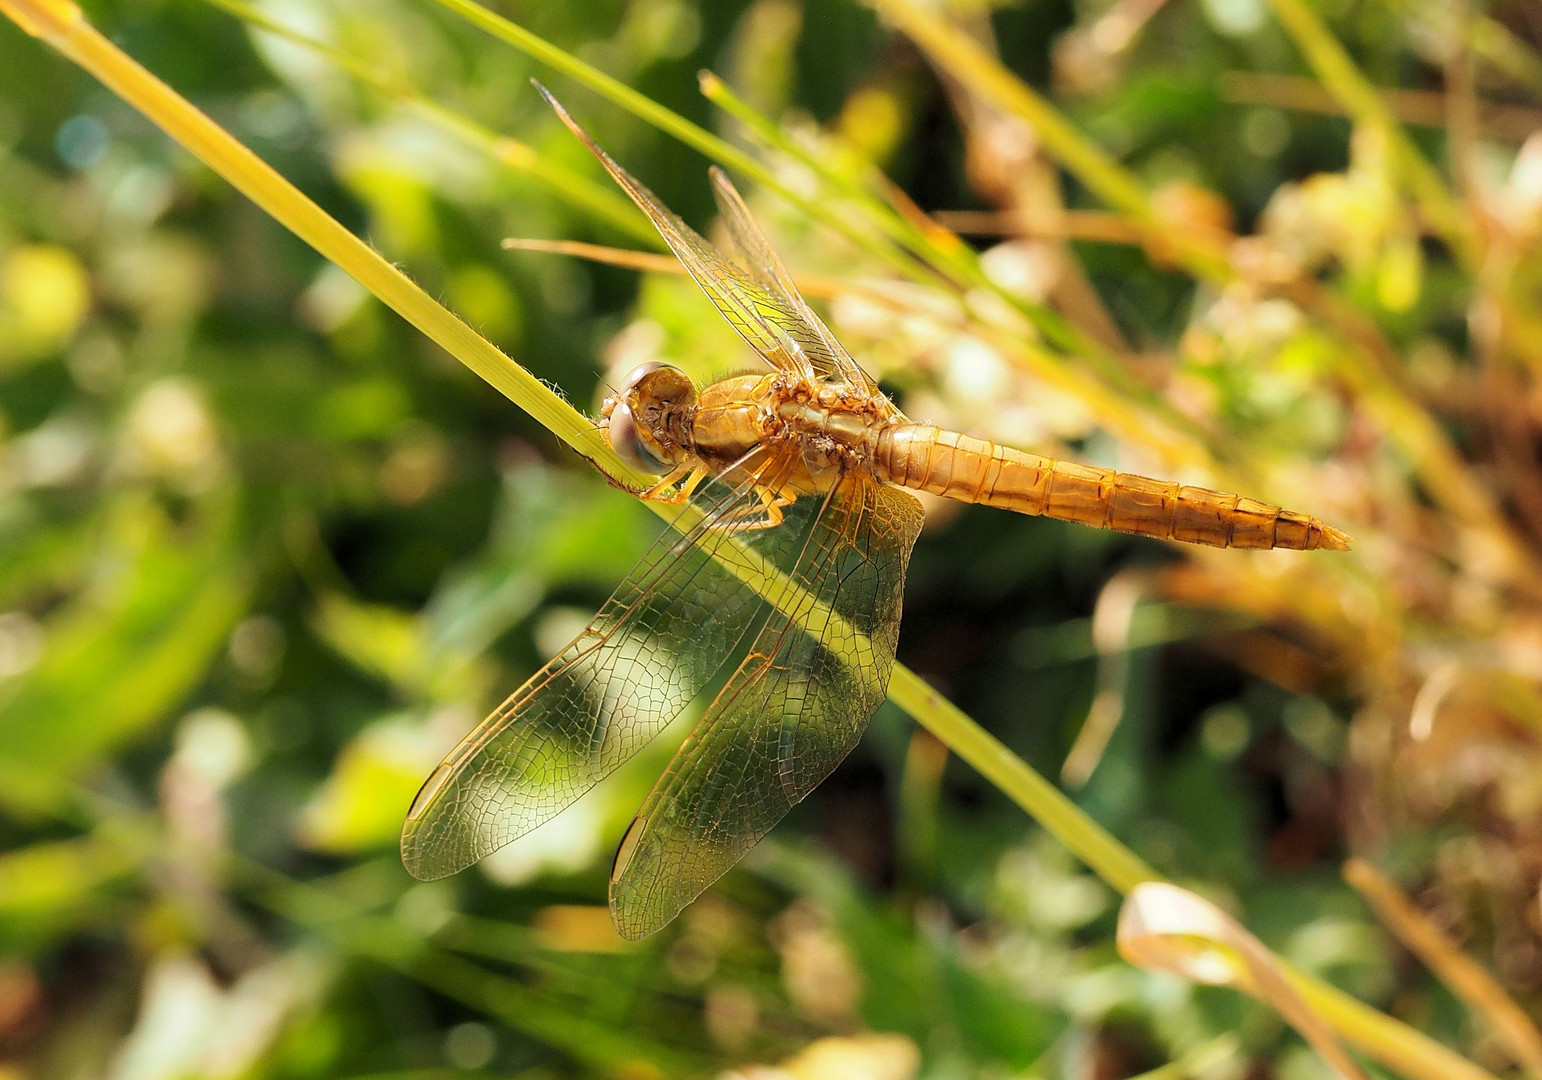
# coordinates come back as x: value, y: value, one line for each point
x: 686, y: 476
x: 768, y: 515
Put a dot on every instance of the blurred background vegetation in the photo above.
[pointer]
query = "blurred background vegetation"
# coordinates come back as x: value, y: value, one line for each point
x: 265, y: 554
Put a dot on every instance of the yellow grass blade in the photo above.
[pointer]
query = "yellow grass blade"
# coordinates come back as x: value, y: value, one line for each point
x: 1476, y: 987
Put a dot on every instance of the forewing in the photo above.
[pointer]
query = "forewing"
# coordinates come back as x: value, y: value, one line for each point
x: 789, y: 312
x: 745, y: 303
x: 790, y: 713
x: 657, y: 641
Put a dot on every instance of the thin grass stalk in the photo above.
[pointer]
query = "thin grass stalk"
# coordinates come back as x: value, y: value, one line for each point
x: 140, y: 838
x: 1418, y: 108
x: 937, y: 245
x: 1209, y: 1058
x: 1365, y: 105
x: 598, y: 1043
x: 1391, y: 1042
x: 1089, y: 163
x: 63, y: 26
x: 1491, y: 40
x: 1476, y: 988
x: 566, y: 184
x: 672, y: 123
x: 1497, y: 44
x: 1105, y: 856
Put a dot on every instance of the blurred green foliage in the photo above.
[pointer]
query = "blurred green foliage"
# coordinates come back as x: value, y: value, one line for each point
x: 265, y: 555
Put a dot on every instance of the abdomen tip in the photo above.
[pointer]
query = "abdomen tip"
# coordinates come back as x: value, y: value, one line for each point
x: 1334, y: 539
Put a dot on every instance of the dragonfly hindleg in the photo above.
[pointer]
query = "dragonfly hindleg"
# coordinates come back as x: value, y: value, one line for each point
x: 767, y: 514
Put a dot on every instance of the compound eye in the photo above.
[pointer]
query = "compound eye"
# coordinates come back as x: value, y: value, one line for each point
x: 626, y: 439
x: 637, y: 374
x: 657, y: 383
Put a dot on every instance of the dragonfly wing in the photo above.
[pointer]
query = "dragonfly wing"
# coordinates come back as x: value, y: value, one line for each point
x: 789, y: 714
x: 657, y: 641
x: 746, y: 303
x: 790, y: 313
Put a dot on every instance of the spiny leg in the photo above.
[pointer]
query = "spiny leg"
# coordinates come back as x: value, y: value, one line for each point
x: 769, y: 513
x: 687, y: 476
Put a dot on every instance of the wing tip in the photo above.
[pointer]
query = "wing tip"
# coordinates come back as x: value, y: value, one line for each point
x: 423, y: 863
x: 725, y: 191
x: 416, y: 862
x: 633, y: 924
x: 566, y: 118
x: 630, y: 931
x: 414, y: 845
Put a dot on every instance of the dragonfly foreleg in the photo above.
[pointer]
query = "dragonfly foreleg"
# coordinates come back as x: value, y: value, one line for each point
x: 688, y: 477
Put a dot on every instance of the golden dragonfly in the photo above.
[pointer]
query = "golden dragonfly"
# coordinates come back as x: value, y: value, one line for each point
x: 803, y: 467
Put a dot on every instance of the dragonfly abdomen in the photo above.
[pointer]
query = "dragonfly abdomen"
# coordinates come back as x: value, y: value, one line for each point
x: 972, y: 470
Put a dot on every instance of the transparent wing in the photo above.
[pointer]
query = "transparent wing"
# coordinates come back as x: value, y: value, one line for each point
x: 744, y: 302
x: 657, y: 641
x: 792, y: 710
x: 791, y: 313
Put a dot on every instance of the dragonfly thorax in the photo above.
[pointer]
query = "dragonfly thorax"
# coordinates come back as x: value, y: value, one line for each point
x: 649, y: 419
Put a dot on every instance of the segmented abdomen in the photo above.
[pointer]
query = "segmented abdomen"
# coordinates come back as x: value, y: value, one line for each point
x: 972, y: 470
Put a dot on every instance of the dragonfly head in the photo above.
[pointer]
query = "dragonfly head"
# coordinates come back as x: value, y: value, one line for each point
x: 649, y: 418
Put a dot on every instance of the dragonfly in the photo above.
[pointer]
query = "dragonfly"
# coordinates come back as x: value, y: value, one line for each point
x: 807, y: 468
